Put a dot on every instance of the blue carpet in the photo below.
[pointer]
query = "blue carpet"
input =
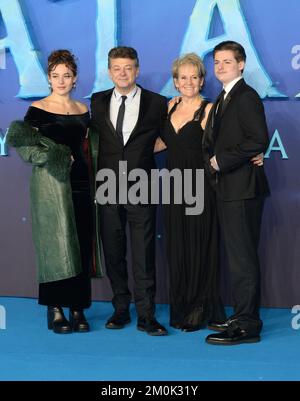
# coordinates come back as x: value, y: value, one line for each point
x: 29, y: 351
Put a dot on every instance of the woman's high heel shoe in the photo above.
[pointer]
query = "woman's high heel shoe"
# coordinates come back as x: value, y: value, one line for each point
x: 78, y: 321
x: 57, y: 321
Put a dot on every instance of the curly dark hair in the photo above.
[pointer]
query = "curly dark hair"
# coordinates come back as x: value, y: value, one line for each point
x: 62, y: 57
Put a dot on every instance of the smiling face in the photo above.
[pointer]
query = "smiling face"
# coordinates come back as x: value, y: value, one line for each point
x: 61, y: 79
x: 188, y: 82
x: 227, y: 68
x: 123, y: 72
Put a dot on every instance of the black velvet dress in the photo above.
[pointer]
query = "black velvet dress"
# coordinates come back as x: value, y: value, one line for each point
x: 192, y: 240
x: 70, y: 130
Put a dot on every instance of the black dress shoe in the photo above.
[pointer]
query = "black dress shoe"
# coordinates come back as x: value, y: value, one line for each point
x: 118, y: 320
x: 232, y: 337
x: 218, y: 326
x: 78, y: 321
x: 151, y: 327
x: 57, y: 321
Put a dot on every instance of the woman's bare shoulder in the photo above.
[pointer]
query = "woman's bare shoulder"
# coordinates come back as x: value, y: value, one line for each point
x: 40, y: 104
x: 81, y: 106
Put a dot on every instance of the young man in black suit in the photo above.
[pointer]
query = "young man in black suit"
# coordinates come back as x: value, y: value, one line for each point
x: 128, y: 120
x: 236, y: 132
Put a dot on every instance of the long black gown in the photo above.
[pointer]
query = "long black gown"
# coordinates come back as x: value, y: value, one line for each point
x: 70, y: 130
x: 191, y: 240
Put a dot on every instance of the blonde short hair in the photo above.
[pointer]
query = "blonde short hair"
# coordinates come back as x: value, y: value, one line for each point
x: 189, y: 58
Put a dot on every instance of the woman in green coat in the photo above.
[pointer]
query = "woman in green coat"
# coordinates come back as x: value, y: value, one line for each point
x: 51, y: 139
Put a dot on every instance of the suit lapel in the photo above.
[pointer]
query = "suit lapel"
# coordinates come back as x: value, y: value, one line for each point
x: 211, y: 129
x: 106, y: 107
x: 225, y: 104
x: 231, y: 94
x: 215, y: 109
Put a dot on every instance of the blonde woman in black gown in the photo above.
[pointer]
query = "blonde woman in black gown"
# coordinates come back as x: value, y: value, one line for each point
x: 192, y: 240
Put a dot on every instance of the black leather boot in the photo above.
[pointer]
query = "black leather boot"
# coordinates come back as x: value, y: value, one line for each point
x: 78, y: 321
x: 57, y: 321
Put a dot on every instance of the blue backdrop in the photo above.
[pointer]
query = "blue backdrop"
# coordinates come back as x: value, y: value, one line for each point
x: 160, y: 31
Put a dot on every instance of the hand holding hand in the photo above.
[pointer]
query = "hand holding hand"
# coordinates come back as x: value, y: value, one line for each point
x: 214, y: 164
x: 173, y: 101
x: 258, y: 160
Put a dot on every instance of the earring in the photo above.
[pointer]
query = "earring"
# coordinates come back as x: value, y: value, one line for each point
x: 49, y: 85
x: 74, y: 85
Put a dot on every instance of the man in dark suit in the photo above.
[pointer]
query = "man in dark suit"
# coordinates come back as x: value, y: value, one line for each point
x: 128, y: 120
x: 236, y: 132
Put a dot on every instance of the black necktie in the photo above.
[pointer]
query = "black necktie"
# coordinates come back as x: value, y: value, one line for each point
x: 120, y: 119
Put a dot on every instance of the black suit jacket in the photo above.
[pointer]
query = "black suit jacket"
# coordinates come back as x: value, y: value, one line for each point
x: 239, y: 134
x: 138, y: 151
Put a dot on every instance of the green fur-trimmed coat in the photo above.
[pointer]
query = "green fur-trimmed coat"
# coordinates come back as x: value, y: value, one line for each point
x: 53, y: 220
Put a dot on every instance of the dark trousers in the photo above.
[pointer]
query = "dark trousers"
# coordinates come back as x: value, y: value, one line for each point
x: 141, y: 220
x: 240, y: 223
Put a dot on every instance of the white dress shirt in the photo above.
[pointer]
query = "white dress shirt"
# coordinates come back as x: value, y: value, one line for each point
x: 132, y: 107
x: 229, y: 86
